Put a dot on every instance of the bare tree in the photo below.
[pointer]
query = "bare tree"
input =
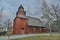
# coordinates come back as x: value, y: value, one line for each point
x: 56, y: 14
x: 8, y: 24
x: 52, y: 14
x: 46, y: 14
x: 55, y: 11
x: 1, y: 11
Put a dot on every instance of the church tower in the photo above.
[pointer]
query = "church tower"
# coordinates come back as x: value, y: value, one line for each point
x: 20, y: 22
x: 21, y: 11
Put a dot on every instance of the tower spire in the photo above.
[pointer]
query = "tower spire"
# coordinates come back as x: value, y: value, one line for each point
x: 21, y: 7
x: 21, y: 10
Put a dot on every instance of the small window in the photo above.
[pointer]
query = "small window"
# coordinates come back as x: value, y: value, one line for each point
x: 22, y: 28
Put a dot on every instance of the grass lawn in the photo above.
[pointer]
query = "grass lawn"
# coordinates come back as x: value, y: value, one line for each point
x: 41, y: 37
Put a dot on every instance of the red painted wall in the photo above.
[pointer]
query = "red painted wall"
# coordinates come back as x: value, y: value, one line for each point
x: 19, y: 24
x: 33, y: 30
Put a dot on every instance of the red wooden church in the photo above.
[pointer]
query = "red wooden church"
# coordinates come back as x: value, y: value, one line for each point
x: 26, y: 25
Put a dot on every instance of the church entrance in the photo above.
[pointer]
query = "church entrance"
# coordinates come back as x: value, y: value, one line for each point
x: 23, y: 32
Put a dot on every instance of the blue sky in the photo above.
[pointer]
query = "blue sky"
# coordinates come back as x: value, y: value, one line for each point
x: 11, y: 7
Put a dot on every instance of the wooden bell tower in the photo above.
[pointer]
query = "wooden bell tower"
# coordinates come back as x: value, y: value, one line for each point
x: 20, y: 23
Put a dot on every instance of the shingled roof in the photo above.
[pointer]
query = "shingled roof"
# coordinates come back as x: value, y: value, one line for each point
x: 34, y: 21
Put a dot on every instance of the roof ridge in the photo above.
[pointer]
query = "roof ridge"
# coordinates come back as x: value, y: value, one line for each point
x: 33, y: 17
